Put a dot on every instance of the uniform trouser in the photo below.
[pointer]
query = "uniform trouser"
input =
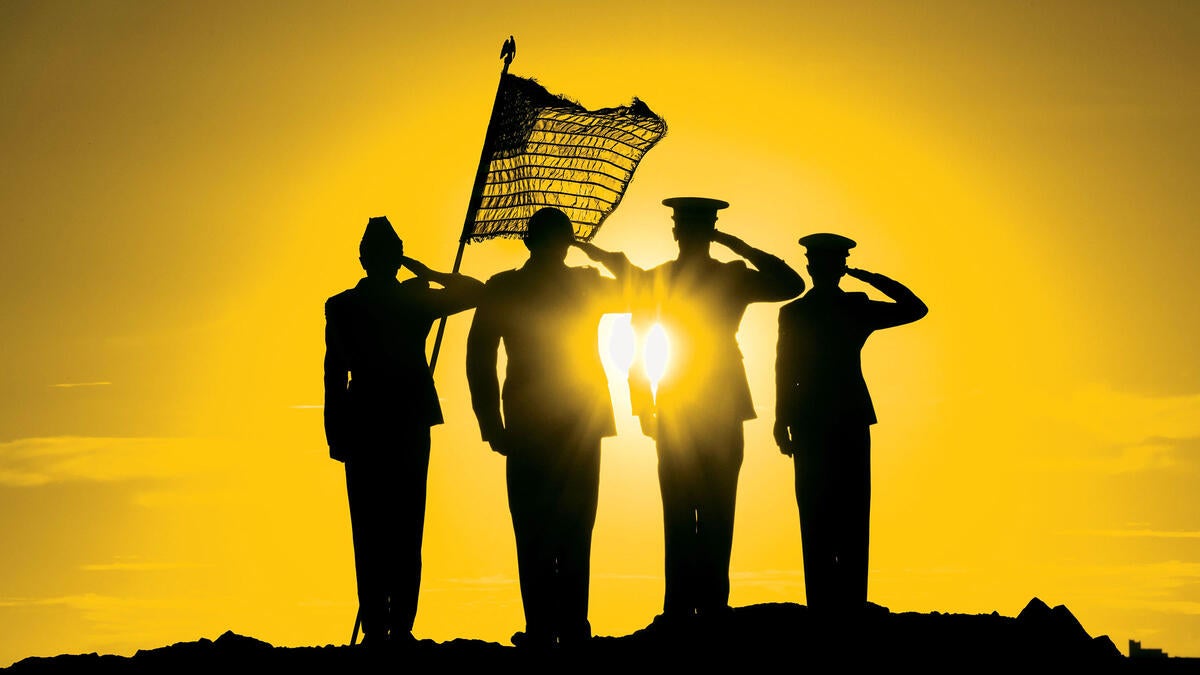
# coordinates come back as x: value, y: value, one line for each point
x: 553, y: 488
x: 386, y: 491
x: 833, y: 493
x: 698, y: 466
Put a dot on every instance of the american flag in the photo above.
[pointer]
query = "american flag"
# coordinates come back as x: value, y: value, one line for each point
x: 546, y: 150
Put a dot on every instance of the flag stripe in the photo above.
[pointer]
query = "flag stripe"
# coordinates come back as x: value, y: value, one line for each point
x: 535, y: 160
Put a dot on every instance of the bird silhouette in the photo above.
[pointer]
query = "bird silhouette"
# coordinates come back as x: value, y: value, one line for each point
x: 509, y: 50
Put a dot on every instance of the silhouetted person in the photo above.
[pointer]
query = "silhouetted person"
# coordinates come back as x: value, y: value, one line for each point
x: 556, y: 410
x: 824, y: 414
x: 380, y: 402
x: 698, y: 411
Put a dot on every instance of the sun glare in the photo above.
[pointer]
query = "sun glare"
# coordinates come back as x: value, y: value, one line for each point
x: 657, y: 354
x: 622, y: 342
x: 623, y: 347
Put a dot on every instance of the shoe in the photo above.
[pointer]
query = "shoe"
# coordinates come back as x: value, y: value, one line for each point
x: 714, y: 619
x: 669, y: 626
x: 525, y: 640
x: 575, y: 639
x: 402, y: 639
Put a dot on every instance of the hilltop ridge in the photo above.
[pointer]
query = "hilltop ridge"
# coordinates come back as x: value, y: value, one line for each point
x: 760, y: 637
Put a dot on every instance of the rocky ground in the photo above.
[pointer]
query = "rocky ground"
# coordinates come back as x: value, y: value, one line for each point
x: 756, y: 638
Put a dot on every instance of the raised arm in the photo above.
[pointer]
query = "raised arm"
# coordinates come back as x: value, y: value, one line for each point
x: 774, y: 280
x: 622, y: 294
x: 616, y: 261
x: 459, y: 291
x: 905, y: 308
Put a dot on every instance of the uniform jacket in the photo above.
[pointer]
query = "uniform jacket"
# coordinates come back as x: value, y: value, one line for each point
x: 818, y: 364
x: 377, y: 377
x: 547, y: 321
x: 700, y: 305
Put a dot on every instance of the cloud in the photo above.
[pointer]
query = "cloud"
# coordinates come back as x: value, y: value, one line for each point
x: 1175, y: 607
x: 177, y: 498
x: 1142, y: 533
x: 1151, y: 455
x: 629, y: 577
x: 773, y: 579
x: 32, y: 462
x: 90, y: 603
x: 1167, y: 586
x: 113, y: 624
x: 1131, y: 419
x: 1098, y: 430
x: 136, y: 567
x: 494, y: 580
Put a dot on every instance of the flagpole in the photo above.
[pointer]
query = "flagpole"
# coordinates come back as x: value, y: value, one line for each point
x: 506, y: 52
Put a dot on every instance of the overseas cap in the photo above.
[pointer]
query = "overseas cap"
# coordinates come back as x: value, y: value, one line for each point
x: 698, y: 210
x: 380, y: 239
x: 825, y: 244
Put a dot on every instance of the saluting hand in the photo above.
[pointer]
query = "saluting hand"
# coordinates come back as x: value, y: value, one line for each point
x: 725, y: 239
x: 417, y: 267
x: 861, y: 275
x: 598, y: 254
x: 735, y: 244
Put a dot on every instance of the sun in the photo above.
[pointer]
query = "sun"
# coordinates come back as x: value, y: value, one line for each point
x: 624, y: 348
x: 656, y: 354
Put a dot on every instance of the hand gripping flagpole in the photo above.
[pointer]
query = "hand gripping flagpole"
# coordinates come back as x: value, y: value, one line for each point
x: 507, y: 52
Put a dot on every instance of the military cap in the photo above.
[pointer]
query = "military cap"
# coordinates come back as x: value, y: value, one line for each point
x: 698, y: 210
x: 827, y: 244
x: 380, y: 238
x: 549, y: 223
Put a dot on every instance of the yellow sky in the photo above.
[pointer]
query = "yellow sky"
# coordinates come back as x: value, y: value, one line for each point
x: 183, y: 184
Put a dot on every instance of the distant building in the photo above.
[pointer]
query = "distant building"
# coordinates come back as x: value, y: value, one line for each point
x: 1137, y: 652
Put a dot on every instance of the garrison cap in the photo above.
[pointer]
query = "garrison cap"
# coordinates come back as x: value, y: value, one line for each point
x: 697, y: 210
x: 826, y: 244
x: 380, y: 239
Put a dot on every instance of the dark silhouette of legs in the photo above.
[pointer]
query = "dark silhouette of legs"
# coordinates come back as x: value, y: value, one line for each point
x: 577, y: 506
x: 553, y: 488
x: 833, y: 492
x: 720, y: 466
x: 408, y: 533
x: 386, y: 492
x: 698, y: 468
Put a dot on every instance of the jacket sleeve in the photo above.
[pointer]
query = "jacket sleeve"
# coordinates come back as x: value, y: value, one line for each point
x: 459, y: 292
x: 483, y: 344
x: 337, y: 377
x: 608, y: 295
x: 905, y: 308
x: 772, y: 279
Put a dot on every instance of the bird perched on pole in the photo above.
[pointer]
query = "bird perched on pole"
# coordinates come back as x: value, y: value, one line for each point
x: 509, y: 50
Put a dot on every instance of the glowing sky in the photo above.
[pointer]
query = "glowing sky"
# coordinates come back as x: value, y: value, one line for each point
x: 183, y: 184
